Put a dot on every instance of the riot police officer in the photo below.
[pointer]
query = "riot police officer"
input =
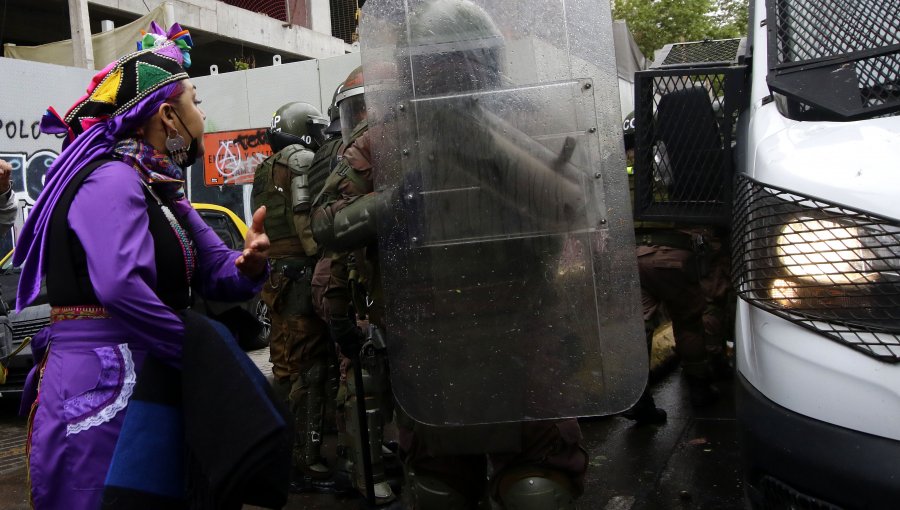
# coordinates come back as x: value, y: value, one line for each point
x: 328, y: 155
x: 286, y: 183
x: 325, y: 160
x: 347, y: 288
x: 483, y: 212
x: 670, y: 262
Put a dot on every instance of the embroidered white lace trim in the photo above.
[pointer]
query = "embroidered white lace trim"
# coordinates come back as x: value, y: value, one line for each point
x: 109, y: 412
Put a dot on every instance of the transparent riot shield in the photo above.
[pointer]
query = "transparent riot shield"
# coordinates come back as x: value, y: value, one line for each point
x: 505, y: 240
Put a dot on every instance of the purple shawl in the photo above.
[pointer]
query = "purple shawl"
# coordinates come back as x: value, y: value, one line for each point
x: 95, y: 143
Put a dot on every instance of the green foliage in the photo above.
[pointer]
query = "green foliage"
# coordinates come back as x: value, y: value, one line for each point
x: 242, y: 63
x: 730, y: 19
x: 655, y: 23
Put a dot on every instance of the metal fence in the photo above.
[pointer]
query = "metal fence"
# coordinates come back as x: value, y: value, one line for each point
x: 685, y: 116
x: 344, y: 14
x: 344, y: 20
x: 273, y: 8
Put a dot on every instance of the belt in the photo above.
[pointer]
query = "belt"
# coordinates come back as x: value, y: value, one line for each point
x: 670, y: 239
x: 297, y: 262
x: 293, y: 268
x: 66, y: 313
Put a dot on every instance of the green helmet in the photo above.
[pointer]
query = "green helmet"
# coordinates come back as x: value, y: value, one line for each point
x: 452, y: 46
x: 297, y: 123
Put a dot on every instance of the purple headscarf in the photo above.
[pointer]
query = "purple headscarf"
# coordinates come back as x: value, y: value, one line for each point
x: 95, y: 143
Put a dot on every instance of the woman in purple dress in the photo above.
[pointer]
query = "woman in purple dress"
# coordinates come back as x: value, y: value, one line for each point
x: 120, y: 249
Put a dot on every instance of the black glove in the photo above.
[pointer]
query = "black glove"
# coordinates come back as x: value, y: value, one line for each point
x: 347, y: 335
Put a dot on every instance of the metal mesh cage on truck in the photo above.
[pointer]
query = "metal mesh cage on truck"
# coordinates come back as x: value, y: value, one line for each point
x: 684, y: 118
x: 820, y: 265
x: 720, y: 52
x: 835, y: 59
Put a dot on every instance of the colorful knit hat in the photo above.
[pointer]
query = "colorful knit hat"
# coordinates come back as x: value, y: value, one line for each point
x: 161, y: 58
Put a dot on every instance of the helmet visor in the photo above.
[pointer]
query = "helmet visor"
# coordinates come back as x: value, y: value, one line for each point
x: 353, y: 111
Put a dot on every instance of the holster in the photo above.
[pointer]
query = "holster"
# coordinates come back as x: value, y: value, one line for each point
x: 288, y: 291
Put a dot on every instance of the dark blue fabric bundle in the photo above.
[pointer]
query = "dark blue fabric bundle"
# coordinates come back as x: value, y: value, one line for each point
x: 210, y: 436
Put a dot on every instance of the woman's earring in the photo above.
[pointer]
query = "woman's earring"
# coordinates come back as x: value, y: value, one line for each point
x: 176, y: 147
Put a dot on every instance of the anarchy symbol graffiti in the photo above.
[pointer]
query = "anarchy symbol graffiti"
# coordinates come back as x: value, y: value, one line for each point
x: 229, y: 159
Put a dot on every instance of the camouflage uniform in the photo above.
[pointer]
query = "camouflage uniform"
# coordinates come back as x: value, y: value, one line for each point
x: 324, y: 161
x: 715, y: 280
x: 347, y: 282
x: 298, y: 342
x: 669, y: 272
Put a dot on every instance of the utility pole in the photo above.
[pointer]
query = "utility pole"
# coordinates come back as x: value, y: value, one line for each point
x: 80, y: 23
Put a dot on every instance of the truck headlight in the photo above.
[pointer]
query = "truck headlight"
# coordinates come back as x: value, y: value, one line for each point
x: 825, y: 252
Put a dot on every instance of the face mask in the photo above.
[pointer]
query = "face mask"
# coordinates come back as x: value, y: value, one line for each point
x: 184, y: 157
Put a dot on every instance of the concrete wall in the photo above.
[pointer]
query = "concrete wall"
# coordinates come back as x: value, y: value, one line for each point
x: 247, y: 100
x: 28, y: 89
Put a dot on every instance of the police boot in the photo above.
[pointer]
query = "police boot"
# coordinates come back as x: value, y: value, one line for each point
x: 310, y: 472
x: 374, y: 422
x: 534, y: 488
x: 701, y: 389
x: 645, y: 412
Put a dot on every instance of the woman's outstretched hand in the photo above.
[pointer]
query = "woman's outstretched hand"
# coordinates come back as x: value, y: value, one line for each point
x: 252, y: 261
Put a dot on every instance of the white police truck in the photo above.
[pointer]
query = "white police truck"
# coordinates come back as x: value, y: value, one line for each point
x: 796, y: 133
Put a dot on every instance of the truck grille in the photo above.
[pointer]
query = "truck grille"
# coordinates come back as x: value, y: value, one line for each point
x: 821, y: 265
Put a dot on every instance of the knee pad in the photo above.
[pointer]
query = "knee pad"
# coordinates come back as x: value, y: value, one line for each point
x: 427, y: 492
x: 535, y: 489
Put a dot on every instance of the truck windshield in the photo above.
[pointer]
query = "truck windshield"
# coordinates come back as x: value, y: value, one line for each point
x: 835, y: 59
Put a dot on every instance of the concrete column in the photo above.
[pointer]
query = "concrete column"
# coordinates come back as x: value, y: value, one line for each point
x: 80, y: 23
x: 170, y: 14
x: 320, y: 16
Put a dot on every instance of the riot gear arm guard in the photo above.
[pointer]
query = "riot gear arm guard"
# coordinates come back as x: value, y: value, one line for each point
x: 352, y: 226
x: 299, y: 164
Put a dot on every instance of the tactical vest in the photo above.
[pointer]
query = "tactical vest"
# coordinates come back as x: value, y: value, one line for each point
x: 331, y: 190
x: 272, y: 188
x: 323, y: 163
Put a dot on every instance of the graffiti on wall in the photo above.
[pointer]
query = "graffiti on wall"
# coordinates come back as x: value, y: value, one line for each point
x: 29, y: 166
x: 29, y: 171
x: 232, y: 156
x: 21, y: 129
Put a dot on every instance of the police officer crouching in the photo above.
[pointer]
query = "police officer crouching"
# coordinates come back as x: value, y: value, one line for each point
x: 668, y: 254
x: 299, y: 346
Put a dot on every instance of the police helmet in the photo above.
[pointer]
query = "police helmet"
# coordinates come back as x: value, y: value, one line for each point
x: 452, y: 46
x: 351, y: 103
x: 334, y: 113
x: 297, y: 123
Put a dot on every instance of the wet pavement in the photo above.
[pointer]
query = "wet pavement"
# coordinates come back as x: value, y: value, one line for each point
x: 691, y: 462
